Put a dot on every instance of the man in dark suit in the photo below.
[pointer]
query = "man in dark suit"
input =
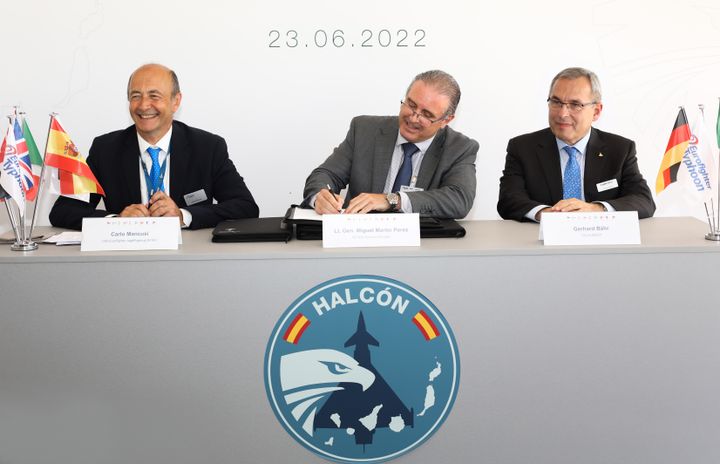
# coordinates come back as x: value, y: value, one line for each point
x: 160, y: 167
x: 572, y: 166
x: 409, y: 163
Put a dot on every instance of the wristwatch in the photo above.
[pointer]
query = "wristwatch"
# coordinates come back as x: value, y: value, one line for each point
x: 394, y: 200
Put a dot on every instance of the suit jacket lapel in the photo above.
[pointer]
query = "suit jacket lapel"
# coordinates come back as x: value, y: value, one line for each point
x: 130, y: 159
x: 384, y: 147
x: 179, y: 161
x: 431, y: 160
x: 594, y: 166
x: 549, y: 159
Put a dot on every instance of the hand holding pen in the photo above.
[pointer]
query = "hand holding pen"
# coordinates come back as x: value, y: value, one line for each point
x: 328, y: 202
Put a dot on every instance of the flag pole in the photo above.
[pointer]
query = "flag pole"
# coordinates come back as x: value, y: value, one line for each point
x: 24, y: 244
x: 22, y: 216
x: 11, y: 215
x: 23, y: 241
x: 42, y: 173
x: 717, y: 180
x: 707, y: 213
x: 15, y: 221
x: 6, y: 199
x: 701, y: 107
x: 714, y: 234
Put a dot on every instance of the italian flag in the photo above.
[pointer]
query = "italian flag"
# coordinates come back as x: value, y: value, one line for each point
x: 35, y: 161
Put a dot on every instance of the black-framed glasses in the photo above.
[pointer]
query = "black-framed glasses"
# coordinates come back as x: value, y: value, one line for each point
x: 573, y: 107
x: 420, y: 116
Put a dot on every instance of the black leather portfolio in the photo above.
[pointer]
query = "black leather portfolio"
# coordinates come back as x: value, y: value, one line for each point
x: 440, y: 228
x: 270, y: 229
x: 429, y: 228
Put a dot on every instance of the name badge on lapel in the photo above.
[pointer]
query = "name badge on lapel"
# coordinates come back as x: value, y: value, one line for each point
x: 607, y: 185
x: 195, y: 197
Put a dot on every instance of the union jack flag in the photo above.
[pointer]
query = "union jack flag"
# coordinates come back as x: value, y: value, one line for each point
x: 10, y: 171
x: 23, y: 157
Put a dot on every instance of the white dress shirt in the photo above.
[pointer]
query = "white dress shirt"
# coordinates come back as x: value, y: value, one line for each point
x: 163, y: 157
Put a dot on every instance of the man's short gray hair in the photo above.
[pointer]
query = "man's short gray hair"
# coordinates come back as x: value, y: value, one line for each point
x: 175, y: 82
x: 577, y: 73
x: 444, y: 83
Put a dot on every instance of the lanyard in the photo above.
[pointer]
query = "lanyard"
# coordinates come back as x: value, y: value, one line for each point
x: 147, y: 176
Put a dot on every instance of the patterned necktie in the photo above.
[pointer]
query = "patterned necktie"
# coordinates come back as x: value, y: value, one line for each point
x: 154, y: 170
x: 405, y: 172
x: 571, y: 179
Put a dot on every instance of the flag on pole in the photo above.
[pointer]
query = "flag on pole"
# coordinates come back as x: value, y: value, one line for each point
x: 70, y: 175
x: 10, y: 171
x: 35, y: 161
x: 23, y: 157
x: 696, y: 183
x: 698, y: 173
x: 3, y: 193
x: 717, y: 127
x: 678, y: 143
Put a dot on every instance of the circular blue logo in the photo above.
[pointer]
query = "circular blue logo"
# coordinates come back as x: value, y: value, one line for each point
x: 362, y: 369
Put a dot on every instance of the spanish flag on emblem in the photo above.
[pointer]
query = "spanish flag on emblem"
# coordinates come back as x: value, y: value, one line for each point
x: 71, y: 169
x: 678, y: 143
x: 296, y: 329
x: 426, y: 325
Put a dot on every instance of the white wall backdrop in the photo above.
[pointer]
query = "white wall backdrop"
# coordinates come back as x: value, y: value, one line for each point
x: 282, y: 109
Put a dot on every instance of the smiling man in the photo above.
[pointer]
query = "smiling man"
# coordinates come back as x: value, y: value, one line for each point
x: 412, y: 162
x: 572, y: 166
x: 158, y: 166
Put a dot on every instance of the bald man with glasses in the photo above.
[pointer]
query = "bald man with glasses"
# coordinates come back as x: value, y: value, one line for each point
x: 413, y: 162
x: 572, y: 166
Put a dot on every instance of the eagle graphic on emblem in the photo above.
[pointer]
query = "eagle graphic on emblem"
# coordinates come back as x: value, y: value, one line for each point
x: 355, y: 396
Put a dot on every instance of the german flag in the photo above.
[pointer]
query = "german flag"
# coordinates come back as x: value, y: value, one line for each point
x: 426, y: 325
x: 678, y: 143
x: 296, y: 329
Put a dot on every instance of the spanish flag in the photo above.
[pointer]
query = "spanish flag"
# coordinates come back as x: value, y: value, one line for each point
x: 296, y: 329
x: 426, y: 325
x: 678, y: 143
x: 72, y: 171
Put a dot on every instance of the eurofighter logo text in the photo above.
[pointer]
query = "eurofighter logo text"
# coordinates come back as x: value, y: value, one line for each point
x: 362, y: 369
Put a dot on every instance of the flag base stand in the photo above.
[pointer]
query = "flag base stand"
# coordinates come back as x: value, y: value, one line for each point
x: 27, y: 245
x: 714, y: 236
x: 23, y: 239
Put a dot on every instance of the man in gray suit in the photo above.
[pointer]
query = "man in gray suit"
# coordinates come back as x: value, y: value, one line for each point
x: 410, y: 163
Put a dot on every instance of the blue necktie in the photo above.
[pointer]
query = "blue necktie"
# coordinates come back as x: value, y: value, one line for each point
x: 405, y: 172
x: 154, y: 170
x: 571, y: 179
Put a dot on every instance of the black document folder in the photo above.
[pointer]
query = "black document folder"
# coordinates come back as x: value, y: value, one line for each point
x: 429, y: 228
x: 440, y: 228
x: 270, y: 229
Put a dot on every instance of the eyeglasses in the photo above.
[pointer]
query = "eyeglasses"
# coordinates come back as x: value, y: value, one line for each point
x: 421, y: 117
x: 573, y: 107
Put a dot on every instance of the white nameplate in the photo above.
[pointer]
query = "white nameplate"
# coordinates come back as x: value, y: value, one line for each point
x: 370, y: 230
x: 119, y: 233
x: 606, y: 228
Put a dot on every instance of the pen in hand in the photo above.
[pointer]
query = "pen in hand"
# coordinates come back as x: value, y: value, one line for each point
x: 335, y: 195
